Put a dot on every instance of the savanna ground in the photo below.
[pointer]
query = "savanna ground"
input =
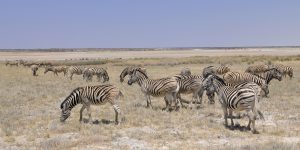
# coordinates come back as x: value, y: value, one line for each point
x: 30, y: 111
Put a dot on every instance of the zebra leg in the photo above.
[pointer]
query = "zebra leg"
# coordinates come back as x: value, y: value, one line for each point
x: 148, y: 101
x: 231, y: 118
x: 167, y: 103
x: 174, y: 97
x: 71, y: 75
x: 88, y: 107
x: 81, y: 110
x: 200, y: 95
x: 225, y: 115
x: 118, y: 112
x: 252, y: 118
x: 181, y: 100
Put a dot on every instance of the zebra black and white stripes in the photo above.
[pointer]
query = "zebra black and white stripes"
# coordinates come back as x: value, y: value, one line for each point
x: 167, y: 87
x: 99, y: 72
x: 192, y: 84
x: 232, y: 78
x: 236, y: 99
x: 285, y: 70
x: 256, y: 69
x: 91, y: 95
x: 74, y: 70
x: 215, y: 70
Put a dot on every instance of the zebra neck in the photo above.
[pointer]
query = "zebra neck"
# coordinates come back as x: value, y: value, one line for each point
x: 73, y: 99
x: 268, y: 78
x: 141, y: 82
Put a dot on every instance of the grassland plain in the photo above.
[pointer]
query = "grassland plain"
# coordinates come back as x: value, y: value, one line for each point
x: 30, y: 111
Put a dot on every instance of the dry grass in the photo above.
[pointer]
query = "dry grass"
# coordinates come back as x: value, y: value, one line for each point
x: 30, y: 112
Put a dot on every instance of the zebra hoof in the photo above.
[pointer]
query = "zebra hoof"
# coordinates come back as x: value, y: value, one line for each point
x: 255, y: 132
x: 248, y: 128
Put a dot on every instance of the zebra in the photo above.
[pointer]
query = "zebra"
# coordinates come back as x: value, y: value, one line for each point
x: 285, y: 70
x: 56, y: 69
x: 236, y: 99
x: 236, y: 77
x: 127, y: 71
x: 74, y: 70
x: 220, y: 70
x: 167, y: 87
x: 209, y: 92
x: 257, y: 69
x: 34, y: 69
x: 99, y: 72
x: 192, y: 84
x: 270, y: 74
x: 91, y: 95
x: 185, y: 71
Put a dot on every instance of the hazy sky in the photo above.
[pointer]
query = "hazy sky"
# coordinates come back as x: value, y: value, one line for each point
x: 148, y: 23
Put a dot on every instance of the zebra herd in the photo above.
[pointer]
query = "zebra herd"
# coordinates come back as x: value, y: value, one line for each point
x: 237, y: 91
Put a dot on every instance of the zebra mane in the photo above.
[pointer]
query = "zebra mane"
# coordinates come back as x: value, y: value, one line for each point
x: 142, y: 72
x: 124, y: 73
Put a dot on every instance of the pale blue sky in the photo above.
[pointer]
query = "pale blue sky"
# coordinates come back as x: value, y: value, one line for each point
x: 148, y: 23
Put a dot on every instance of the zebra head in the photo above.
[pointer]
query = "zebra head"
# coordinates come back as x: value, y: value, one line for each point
x: 137, y: 74
x: 207, y: 82
x: 65, y: 111
x: 276, y: 74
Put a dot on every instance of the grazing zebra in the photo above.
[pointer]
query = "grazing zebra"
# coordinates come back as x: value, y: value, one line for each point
x: 99, y: 72
x: 74, y: 70
x: 185, y: 71
x: 285, y: 70
x: 236, y: 77
x: 56, y: 69
x: 127, y: 71
x: 236, y: 99
x: 167, y: 87
x: 91, y: 95
x: 215, y: 70
x: 34, y: 69
x: 257, y: 69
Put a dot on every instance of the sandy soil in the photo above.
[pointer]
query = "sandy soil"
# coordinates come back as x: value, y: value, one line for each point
x: 147, y: 54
